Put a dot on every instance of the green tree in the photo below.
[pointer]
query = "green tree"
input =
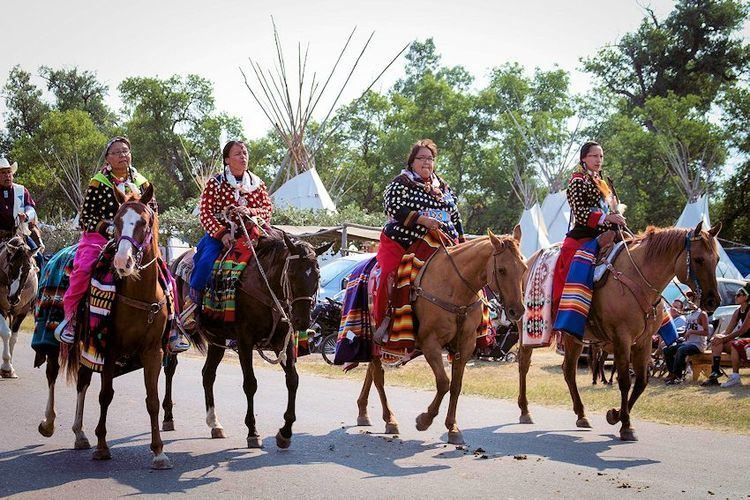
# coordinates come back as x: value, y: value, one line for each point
x: 76, y: 89
x: 26, y: 109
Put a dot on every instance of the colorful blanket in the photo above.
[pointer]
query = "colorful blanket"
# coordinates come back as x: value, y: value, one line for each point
x: 219, y: 300
x: 354, y: 343
x: 49, y: 302
x: 537, y: 319
x: 100, y: 300
x: 575, y: 302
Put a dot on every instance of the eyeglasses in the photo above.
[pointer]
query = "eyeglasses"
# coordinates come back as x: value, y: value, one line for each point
x: 424, y: 158
x: 121, y: 152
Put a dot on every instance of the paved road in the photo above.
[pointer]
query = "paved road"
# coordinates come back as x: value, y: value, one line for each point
x: 331, y: 459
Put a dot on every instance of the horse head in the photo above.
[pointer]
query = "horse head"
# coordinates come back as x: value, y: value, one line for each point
x: 302, y: 279
x: 17, y: 265
x: 505, y: 270
x: 135, y: 231
x: 698, y: 267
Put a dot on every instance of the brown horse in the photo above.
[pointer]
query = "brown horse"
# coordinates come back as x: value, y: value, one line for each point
x: 454, y: 278
x: 18, y: 286
x: 291, y: 268
x: 619, y: 320
x: 139, y: 317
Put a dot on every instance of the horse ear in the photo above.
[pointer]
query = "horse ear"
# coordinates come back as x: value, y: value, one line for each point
x: 698, y: 229
x: 495, y: 240
x: 119, y: 196
x: 714, y: 231
x: 148, y: 194
x: 289, y: 243
x: 323, y: 249
x: 517, y: 233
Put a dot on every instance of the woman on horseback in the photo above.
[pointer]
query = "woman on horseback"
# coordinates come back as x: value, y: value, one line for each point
x: 228, y: 197
x: 593, y: 209
x: 416, y: 201
x: 99, y: 208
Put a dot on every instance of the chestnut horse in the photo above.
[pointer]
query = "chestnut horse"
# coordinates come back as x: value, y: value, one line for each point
x: 618, y: 319
x: 18, y: 286
x: 291, y: 268
x: 454, y: 277
x: 139, y: 317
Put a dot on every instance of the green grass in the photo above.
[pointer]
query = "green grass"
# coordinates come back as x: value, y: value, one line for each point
x: 685, y: 404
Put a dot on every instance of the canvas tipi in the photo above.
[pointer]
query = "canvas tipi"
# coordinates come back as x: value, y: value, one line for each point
x: 305, y: 191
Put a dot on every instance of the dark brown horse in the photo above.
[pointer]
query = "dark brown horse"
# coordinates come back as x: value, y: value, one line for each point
x: 18, y: 286
x: 139, y: 317
x: 291, y: 268
x: 453, y: 277
x: 624, y: 321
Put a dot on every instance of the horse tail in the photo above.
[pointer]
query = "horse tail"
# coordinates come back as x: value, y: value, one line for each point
x: 199, y: 341
x: 70, y: 359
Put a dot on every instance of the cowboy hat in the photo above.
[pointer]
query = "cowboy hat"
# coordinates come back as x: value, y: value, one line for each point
x: 5, y: 164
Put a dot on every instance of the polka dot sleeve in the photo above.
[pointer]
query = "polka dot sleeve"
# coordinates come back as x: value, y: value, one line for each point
x: 209, y: 206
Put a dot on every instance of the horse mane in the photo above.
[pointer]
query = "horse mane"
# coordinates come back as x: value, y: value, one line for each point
x: 507, y: 240
x: 661, y: 240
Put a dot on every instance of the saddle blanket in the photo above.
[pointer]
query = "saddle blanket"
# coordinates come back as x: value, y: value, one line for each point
x: 219, y: 300
x: 537, y: 318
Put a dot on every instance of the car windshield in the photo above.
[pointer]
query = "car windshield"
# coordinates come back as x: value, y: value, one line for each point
x: 331, y: 270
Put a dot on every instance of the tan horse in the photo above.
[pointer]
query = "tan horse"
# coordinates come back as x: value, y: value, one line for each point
x: 139, y: 319
x: 18, y: 286
x: 618, y: 319
x: 454, y: 278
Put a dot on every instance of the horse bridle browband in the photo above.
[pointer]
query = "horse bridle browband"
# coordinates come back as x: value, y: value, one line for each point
x: 140, y: 247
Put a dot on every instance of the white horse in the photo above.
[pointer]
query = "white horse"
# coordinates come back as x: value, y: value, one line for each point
x: 18, y: 287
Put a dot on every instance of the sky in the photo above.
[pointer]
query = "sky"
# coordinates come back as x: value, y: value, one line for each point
x: 215, y: 38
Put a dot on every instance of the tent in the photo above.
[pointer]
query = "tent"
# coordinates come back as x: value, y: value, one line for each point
x: 556, y: 214
x: 692, y: 214
x: 533, y: 231
x: 305, y: 191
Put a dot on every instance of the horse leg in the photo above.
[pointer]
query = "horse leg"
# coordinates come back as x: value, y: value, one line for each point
x: 378, y: 377
x: 457, y: 375
x: 151, y: 361
x: 641, y: 356
x: 524, y: 362
x: 284, y: 435
x: 362, y: 417
x: 6, y: 368
x: 249, y: 386
x: 434, y: 356
x: 622, y: 360
x: 47, y: 426
x: 593, y: 364
x: 82, y: 385
x: 213, y: 358
x: 167, y: 404
x: 105, y: 398
x: 570, y: 364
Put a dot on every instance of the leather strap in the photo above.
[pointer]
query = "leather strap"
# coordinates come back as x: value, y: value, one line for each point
x: 151, y: 307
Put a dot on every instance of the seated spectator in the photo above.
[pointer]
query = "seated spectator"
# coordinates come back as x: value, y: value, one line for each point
x: 739, y: 339
x: 738, y: 331
x: 677, y: 316
x: 693, y: 342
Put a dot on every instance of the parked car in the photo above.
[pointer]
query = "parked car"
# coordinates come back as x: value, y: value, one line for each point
x: 334, y: 275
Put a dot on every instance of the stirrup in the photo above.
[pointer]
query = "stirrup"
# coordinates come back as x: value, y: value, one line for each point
x: 177, y: 342
x: 380, y: 337
x: 65, y: 331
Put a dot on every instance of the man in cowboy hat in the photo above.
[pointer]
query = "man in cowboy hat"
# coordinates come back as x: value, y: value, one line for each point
x: 16, y: 206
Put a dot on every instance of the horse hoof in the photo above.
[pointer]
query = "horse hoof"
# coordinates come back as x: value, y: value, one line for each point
x: 583, y: 423
x: 391, y: 429
x: 455, y: 438
x: 255, y: 442
x: 100, y: 454
x: 83, y: 444
x: 423, y: 422
x: 167, y: 425
x: 46, y: 430
x: 364, y: 421
x: 8, y: 374
x: 281, y: 442
x: 161, y: 462
x: 218, y: 433
x: 525, y: 418
x: 628, y: 435
x: 613, y: 416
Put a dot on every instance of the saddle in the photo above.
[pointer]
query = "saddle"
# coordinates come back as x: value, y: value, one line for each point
x: 609, y: 249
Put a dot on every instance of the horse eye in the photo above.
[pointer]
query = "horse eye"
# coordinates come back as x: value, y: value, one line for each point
x: 700, y: 260
x: 501, y: 271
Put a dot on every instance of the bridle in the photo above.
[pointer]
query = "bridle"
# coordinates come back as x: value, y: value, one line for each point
x: 140, y: 247
x: 691, y: 275
x: 287, y: 286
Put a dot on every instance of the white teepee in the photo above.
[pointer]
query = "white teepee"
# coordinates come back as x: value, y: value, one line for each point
x: 533, y: 231
x: 556, y: 214
x: 691, y: 215
x: 305, y: 191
